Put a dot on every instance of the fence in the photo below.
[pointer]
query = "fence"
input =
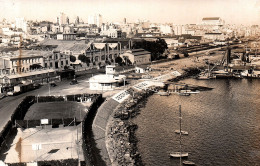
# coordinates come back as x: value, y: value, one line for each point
x: 53, y: 122
x: 90, y: 150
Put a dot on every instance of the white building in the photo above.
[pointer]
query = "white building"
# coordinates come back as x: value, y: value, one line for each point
x: 166, y: 29
x: 62, y: 19
x: 179, y: 29
x: 107, y: 81
x: 95, y: 19
x: 20, y: 23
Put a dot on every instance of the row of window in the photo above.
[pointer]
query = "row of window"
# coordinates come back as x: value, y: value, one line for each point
x: 56, y: 64
x: 25, y: 61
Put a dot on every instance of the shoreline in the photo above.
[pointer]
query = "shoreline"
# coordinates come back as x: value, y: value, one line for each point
x: 121, y: 129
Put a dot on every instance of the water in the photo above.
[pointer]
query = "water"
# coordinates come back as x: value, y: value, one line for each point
x: 223, y: 125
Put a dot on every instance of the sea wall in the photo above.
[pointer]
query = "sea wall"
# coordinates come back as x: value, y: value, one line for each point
x: 120, y: 132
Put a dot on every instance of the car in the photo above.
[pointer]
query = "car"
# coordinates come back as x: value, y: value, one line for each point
x: 53, y: 84
x: 73, y: 82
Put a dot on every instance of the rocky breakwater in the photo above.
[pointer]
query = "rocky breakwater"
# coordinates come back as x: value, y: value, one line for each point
x: 121, y: 139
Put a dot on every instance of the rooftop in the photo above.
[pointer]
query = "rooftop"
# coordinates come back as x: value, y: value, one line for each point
x: 20, y: 54
x: 211, y: 18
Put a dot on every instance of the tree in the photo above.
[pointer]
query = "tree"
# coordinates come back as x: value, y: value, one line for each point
x: 82, y: 58
x: 72, y: 58
x: 119, y: 60
x: 156, y: 48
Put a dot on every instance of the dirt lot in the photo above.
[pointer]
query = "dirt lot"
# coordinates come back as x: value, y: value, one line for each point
x: 45, y: 144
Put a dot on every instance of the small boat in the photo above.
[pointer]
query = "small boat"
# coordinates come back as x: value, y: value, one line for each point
x: 163, y: 93
x: 179, y: 154
x: 183, y: 94
x: 182, y: 132
x: 188, y: 163
x: 203, y: 77
x: 189, y: 91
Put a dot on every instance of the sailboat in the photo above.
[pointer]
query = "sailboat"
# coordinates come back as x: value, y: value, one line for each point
x: 179, y: 154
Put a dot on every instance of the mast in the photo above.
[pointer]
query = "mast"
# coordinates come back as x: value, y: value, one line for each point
x: 180, y: 135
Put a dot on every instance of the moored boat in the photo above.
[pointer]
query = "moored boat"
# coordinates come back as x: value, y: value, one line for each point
x: 182, y: 132
x: 179, y: 154
x: 188, y: 163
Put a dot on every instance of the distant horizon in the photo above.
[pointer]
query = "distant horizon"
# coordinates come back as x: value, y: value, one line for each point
x: 164, y: 11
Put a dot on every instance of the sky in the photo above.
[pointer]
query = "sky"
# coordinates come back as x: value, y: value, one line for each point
x: 157, y: 11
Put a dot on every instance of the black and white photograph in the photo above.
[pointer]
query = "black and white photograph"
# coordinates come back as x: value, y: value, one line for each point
x: 129, y: 82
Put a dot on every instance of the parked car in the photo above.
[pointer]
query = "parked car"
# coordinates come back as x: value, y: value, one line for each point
x: 53, y: 84
x: 73, y: 82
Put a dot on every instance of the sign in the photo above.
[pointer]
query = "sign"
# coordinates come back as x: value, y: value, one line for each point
x: 36, y: 146
x: 44, y: 121
x: 121, y: 96
x: 142, y: 85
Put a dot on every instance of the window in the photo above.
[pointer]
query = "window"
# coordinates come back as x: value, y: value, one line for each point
x: 67, y: 62
x: 51, y: 64
x: 61, y: 63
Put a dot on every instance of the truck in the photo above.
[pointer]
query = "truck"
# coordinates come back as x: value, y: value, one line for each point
x: 21, y: 88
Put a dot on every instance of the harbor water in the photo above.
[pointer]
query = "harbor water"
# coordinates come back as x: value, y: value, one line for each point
x: 223, y: 125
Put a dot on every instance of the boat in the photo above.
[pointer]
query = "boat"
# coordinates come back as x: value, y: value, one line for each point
x: 183, y: 94
x: 203, y: 77
x: 179, y: 154
x: 163, y: 93
x: 189, y: 91
x: 182, y: 132
x: 186, y: 162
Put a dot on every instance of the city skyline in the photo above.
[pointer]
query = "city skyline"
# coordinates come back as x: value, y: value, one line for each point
x: 166, y: 11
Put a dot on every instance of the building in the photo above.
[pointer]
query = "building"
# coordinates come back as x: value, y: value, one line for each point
x: 136, y: 56
x: 95, y: 19
x: 20, y: 23
x: 56, y: 60
x: 212, y: 21
x: 108, y: 81
x: 22, y: 61
x: 112, y: 33
x: 67, y: 36
x: 62, y: 19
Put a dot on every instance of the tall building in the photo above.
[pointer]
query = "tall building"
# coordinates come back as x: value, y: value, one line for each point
x: 21, y: 23
x: 62, y: 19
x: 77, y: 20
x: 95, y: 19
x: 67, y: 20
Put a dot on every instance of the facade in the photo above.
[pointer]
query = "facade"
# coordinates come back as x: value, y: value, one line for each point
x: 22, y: 61
x: 67, y: 36
x: 137, y: 56
x: 56, y: 60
